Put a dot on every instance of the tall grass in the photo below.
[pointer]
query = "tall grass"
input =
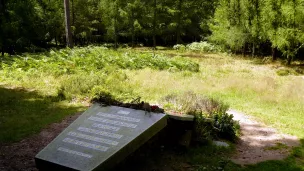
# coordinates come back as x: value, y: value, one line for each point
x: 69, y: 78
x: 254, y: 89
x: 73, y: 73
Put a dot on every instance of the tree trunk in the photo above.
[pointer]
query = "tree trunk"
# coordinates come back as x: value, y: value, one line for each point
x: 274, y: 54
x: 2, y: 51
x: 154, y: 25
x: 73, y: 20
x: 73, y: 13
x: 244, y: 50
x: 68, y: 24
x: 179, y: 15
x: 133, y: 37
x: 253, y: 49
x: 133, y: 29
x: 56, y: 41
x: 289, y: 59
x: 115, y: 25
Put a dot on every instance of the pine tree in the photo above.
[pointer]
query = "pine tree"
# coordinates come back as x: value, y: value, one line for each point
x: 68, y: 24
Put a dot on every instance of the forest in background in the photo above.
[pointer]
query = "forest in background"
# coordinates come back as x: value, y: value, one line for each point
x: 249, y: 27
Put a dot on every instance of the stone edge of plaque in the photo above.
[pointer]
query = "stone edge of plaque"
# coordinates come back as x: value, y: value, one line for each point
x: 181, y: 117
x: 42, y: 164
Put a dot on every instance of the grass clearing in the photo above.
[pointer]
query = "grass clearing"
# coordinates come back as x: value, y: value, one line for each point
x: 55, y: 84
x: 256, y: 90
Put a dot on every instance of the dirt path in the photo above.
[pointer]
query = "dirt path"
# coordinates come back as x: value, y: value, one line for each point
x: 260, y: 143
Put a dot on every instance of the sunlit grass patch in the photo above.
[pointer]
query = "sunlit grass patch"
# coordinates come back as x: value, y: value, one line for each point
x: 259, y: 91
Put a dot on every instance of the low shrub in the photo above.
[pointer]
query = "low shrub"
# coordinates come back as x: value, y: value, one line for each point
x: 289, y: 71
x: 102, y: 95
x: 283, y: 72
x: 179, y: 47
x: 198, y: 47
x: 211, y: 118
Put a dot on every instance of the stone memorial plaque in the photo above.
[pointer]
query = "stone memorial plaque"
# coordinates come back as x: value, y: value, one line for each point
x: 100, y: 138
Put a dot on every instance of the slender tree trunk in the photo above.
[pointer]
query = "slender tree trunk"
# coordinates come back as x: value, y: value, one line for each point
x: 73, y: 20
x: 2, y: 51
x: 56, y: 41
x: 68, y: 24
x: 253, y: 49
x: 244, y: 50
x: 73, y: 13
x: 289, y: 59
x: 133, y: 29
x: 115, y: 25
x: 179, y: 18
x: 154, y: 24
x: 2, y: 13
x: 2, y: 5
x: 294, y: 34
x: 274, y: 54
x: 133, y: 37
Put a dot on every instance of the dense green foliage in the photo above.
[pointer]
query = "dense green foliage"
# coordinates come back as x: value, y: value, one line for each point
x: 260, y: 26
x: 257, y: 27
x: 30, y: 25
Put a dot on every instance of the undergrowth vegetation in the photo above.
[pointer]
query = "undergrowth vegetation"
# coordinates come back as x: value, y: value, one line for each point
x: 211, y: 118
x: 92, y: 58
x: 73, y: 74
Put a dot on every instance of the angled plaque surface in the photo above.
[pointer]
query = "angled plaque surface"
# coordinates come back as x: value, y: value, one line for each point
x: 100, y: 138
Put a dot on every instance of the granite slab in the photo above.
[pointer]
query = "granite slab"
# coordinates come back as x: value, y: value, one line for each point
x: 100, y: 138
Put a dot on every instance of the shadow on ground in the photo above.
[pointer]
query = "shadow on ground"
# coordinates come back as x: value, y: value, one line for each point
x: 24, y: 113
x: 170, y: 157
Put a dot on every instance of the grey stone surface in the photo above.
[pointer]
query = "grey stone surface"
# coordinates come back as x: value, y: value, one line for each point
x: 181, y: 117
x: 100, y: 138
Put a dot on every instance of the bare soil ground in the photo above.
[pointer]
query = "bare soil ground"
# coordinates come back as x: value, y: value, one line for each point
x: 259, y: 142
x: 20, y: 155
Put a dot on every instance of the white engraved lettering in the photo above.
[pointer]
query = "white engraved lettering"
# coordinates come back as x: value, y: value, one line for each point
x: 102, y: 133
x: 123, y: 112
x: 124, y: 118
x: 92, y: 138
x: 85, y: 144
x: 74, y: 152
x: 108, y: 121
x: 112, y: 128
